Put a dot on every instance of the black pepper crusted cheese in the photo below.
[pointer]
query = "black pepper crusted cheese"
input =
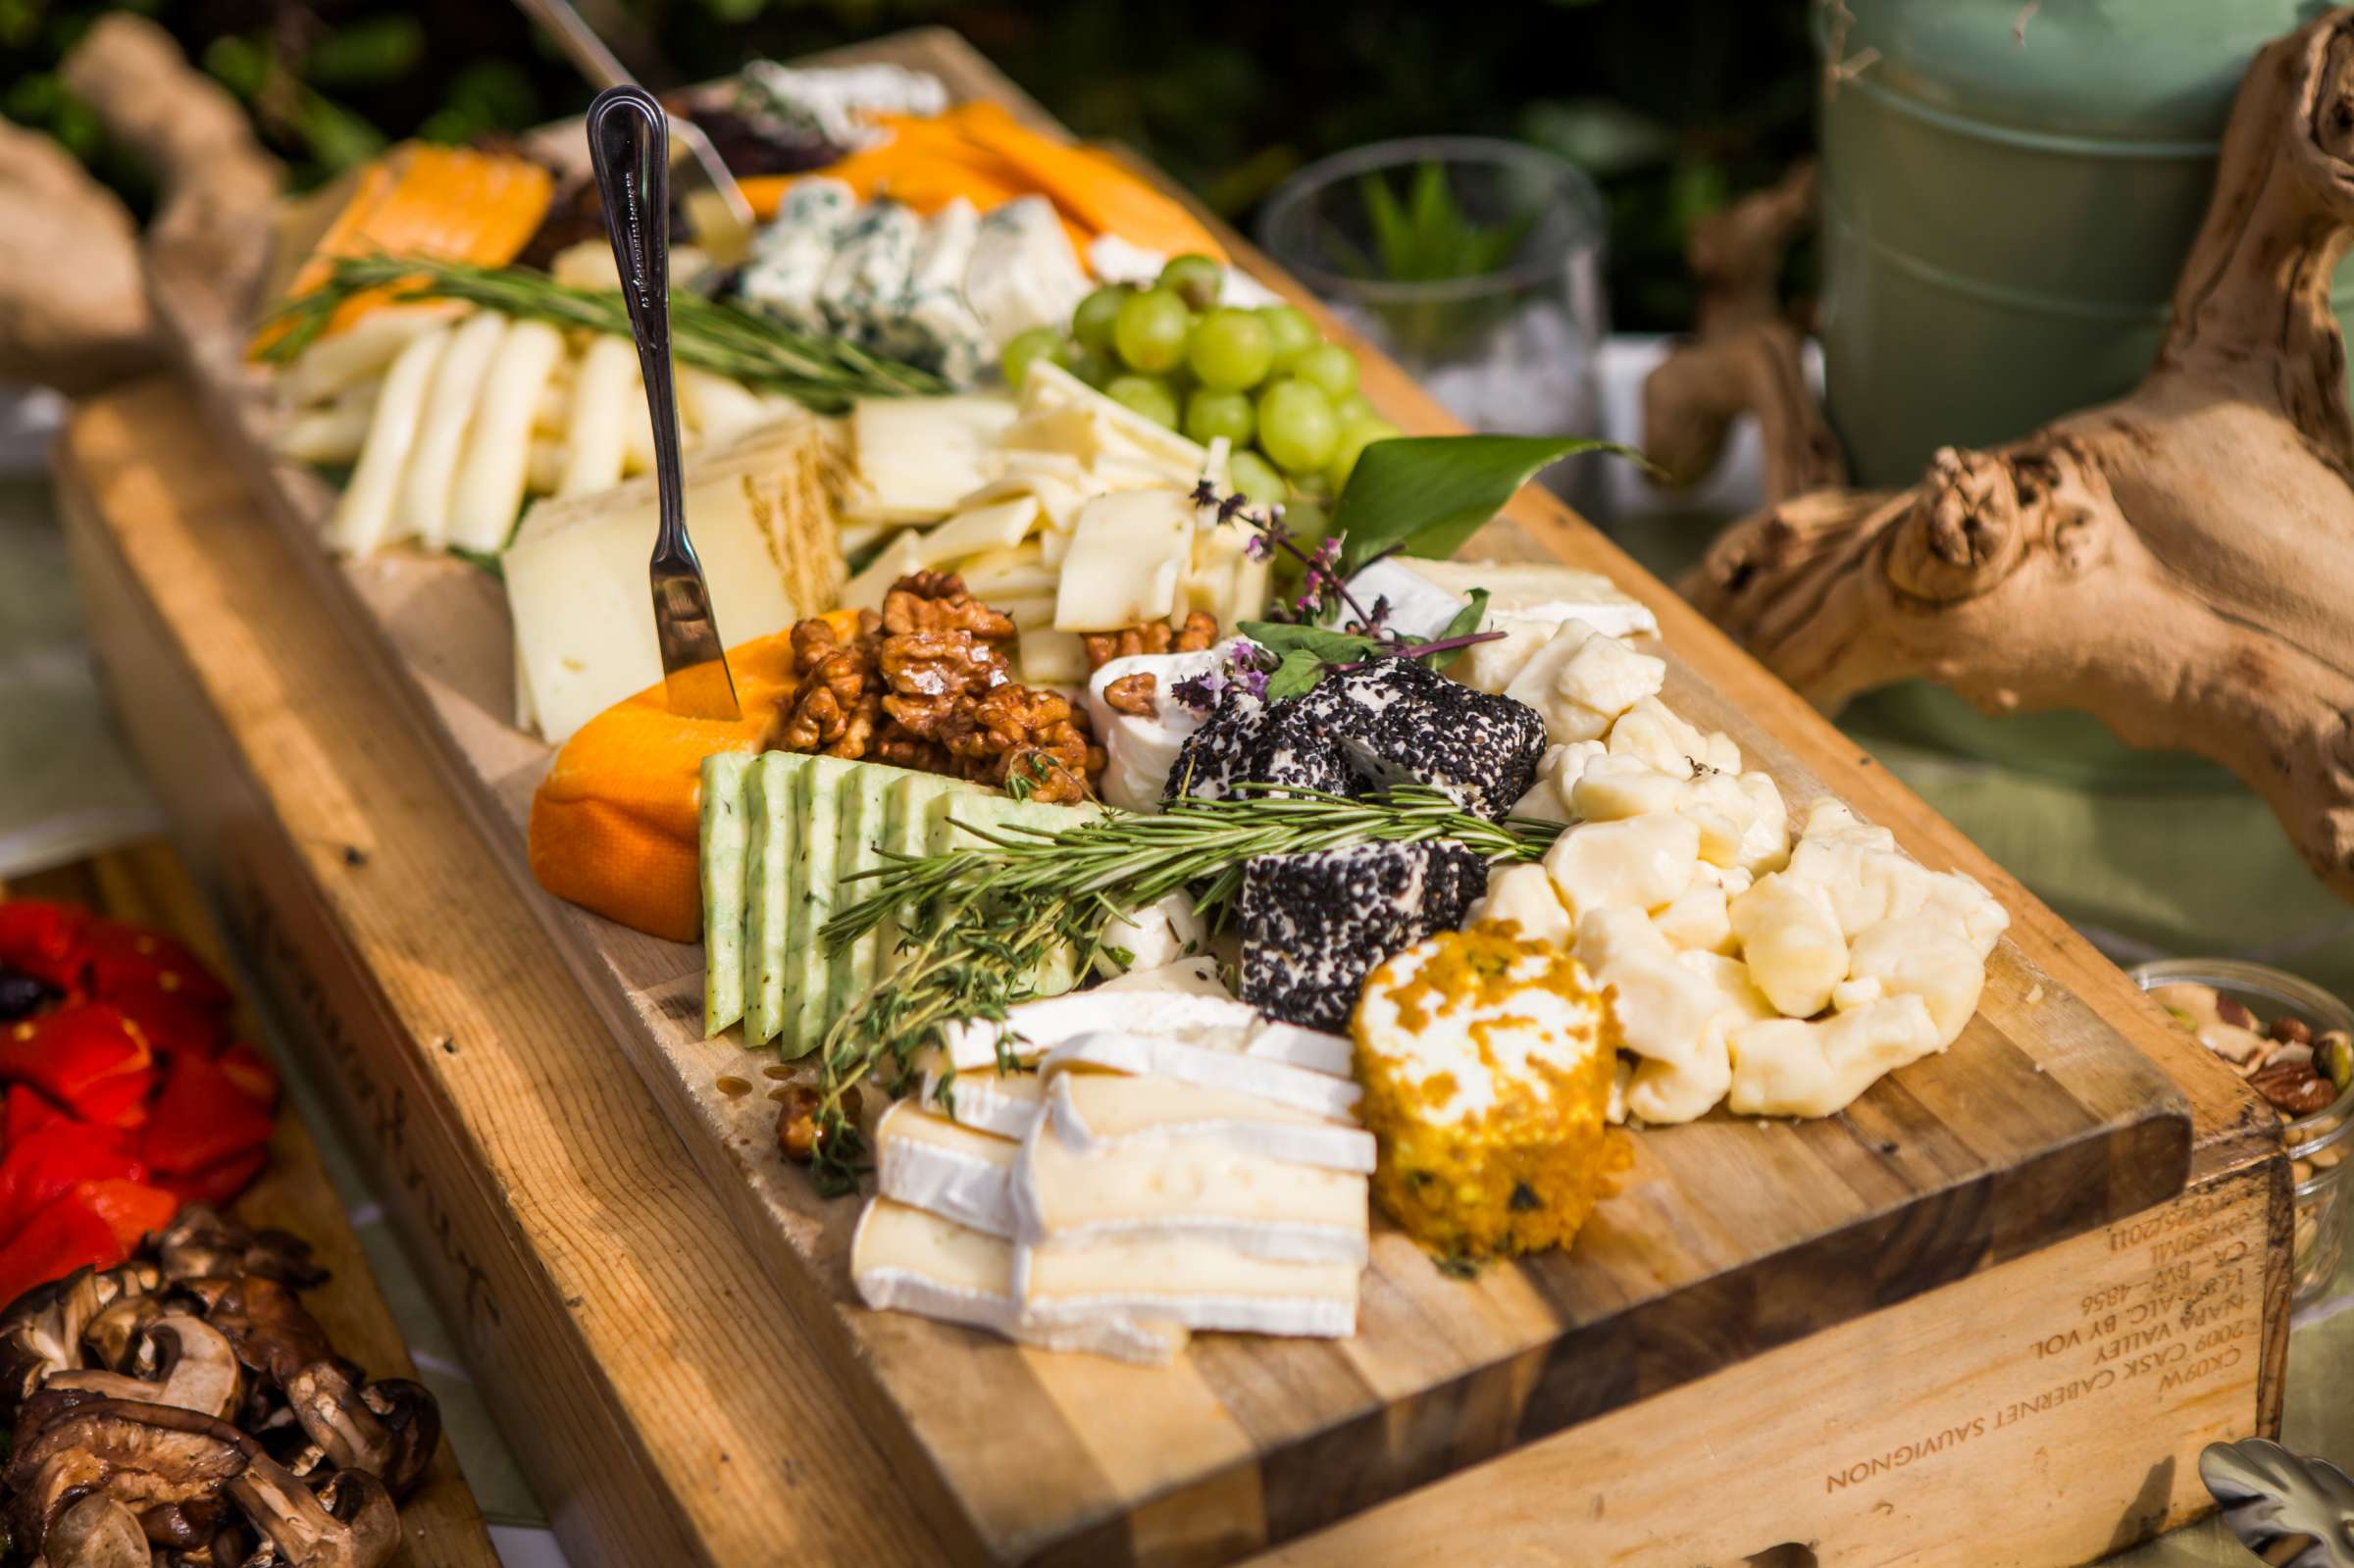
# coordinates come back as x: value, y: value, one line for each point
x: 1314, y: 925
x: 1248, y: 741
x: 1401, y: 722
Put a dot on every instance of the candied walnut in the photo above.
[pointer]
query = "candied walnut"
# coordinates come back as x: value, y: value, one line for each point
x: 935, y: 602
x: 1020, y: 733
x: 932, y: 676
x: 836, y: 706
x: 1197, y: 633
x: 1138, y: 694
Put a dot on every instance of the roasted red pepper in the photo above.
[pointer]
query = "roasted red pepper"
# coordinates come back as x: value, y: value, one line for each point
x: 130, y: 1209
x: 170, y: 1020
x: 61, y: 1238
x: 89, y: 1056
x: 202, y: 1118
x: 218, y: 1184
x: 29, y: 1111
x: 48, y: 942
x: 55, y: 1158
x: 121, y: 957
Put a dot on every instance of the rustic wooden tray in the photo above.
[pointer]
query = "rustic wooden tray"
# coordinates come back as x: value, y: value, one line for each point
x: 1734, y: 1238
x: 145, y: 882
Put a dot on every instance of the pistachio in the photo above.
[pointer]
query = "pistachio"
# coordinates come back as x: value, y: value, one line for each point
x: 2196, y: 1003
x: 2333, y: 1058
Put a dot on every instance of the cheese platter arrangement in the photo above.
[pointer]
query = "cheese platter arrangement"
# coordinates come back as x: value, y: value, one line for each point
x: 1207, y: 947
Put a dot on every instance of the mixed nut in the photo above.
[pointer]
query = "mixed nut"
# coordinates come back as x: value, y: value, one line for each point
x: 182, y: 1410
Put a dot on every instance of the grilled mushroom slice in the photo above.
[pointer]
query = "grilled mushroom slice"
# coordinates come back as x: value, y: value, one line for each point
x: 270, y: 1329
x: 41, y: 1331
x: 387, y: 1429
x: 199, y: 1369
x: 96, y: 1533
x: 348, y: 1523
x: 200, y: 1243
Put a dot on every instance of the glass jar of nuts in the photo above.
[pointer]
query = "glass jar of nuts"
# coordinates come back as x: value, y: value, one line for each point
x: 2294, y: 1043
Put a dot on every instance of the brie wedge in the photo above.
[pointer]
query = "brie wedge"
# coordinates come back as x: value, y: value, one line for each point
x: 944, y: 1168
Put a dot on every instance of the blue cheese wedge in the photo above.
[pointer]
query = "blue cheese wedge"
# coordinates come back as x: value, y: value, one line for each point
x: 1023, y: 271
x: 868, y: 275
x: 791, y: 256
x: 1200, y: 1284
x: 937, y: 327
x: 905, y: 1260
x: 944, y: 1168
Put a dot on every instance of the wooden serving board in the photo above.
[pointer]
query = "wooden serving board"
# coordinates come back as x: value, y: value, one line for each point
x: 1729, y: 1238
x: 146, y: 883
x: 670, y: 1407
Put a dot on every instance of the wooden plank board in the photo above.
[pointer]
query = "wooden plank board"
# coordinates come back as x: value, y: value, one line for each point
x: 146, y: 883
x: 236, y: 683
x: 1731, y: 1239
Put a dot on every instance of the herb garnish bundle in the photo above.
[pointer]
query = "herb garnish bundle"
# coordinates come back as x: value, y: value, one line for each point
x: 976, y: 927
x: 823, y: 372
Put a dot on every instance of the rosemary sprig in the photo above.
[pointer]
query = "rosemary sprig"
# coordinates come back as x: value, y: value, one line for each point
x: 824, y: 373
x: 977, y: 926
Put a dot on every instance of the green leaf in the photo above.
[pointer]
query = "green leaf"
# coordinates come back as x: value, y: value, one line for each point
x: 1321, y: 643
x: 367, y: 52
x: 1426, y: 494
x: 1467, y: 621
x: 1295, y: 677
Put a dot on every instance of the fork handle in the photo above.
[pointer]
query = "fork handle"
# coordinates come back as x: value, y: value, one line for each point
x: 629, y: 146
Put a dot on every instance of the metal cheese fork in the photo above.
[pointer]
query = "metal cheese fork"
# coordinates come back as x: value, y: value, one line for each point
x: 629, y: 148
x: 717, y: 215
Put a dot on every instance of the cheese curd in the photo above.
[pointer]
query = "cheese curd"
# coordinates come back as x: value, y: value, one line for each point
x: 1522, y: 895
x: 1789, y: 1067
x: 1638, y: 864
x: 1790, y: 934
x: 1664, y: 1013
x: 1581, y: 680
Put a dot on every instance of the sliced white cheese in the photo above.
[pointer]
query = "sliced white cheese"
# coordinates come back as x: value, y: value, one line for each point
x: 897, y: 558
x: 984, y: 1098
x: 1196, y: 976
x: 1183, y: 1188
x: 607, y: 399
x: 917, y: 457
x: 1052, y: 658
x: 365, y: 517
x: 577, y: 587
x: 1539, y: 590
x: 905, y: 1260
x: 944, y: 1167
x: 1100, y: 1113
x: 1195, y: 1014
x: 488, y: 492
x: 999, y: 526
x: 1201, y: 1284
x: 1128, y: 553
x: 1113, y: 432
x: 1264, y: 1078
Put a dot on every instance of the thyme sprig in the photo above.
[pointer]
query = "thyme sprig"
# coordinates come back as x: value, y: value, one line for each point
x: 823, y: 372
x: 978, y: 928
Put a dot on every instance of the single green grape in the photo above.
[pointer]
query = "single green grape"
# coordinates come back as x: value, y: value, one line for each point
x: 1231, y: 350
x: 1212, y: 413
x: 1355, y: 409
x: 1329, y: 366
x: 1090, y: 323
x: 1295, y: 424
x: 1291, y: 330
x: 1147, y: 395
x: 1356, y: 436
x: 1195, y: 279
x: 1255, y: 477
x: 1025, y: 348
x: 1150, y: 329
x: 1095, y: 367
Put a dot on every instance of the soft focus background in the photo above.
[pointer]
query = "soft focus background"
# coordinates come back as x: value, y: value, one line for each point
x: 1672, y: 105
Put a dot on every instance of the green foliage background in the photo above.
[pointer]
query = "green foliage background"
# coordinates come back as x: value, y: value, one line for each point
x: 1672, y: 104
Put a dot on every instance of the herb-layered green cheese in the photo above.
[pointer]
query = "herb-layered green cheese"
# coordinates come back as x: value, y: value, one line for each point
x: 725, y: 833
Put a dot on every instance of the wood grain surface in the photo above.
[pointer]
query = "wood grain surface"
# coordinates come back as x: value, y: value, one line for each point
x: 1730, y: 1238
x: 146, y: 883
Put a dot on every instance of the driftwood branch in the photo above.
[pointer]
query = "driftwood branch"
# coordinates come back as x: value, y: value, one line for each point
x: 2178, y: 563
x: 1744, y: 354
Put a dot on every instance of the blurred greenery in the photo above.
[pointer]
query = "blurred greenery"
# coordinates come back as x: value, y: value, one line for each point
x: 1673, y: 105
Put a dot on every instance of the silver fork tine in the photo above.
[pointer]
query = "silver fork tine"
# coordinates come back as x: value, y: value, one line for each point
x: 629, y: 148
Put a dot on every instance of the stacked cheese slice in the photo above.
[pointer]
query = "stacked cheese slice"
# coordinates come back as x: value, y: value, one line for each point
x: 1163, y: 1161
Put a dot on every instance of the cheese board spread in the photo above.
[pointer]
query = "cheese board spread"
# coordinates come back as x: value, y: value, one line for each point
x: 1156, y: 905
